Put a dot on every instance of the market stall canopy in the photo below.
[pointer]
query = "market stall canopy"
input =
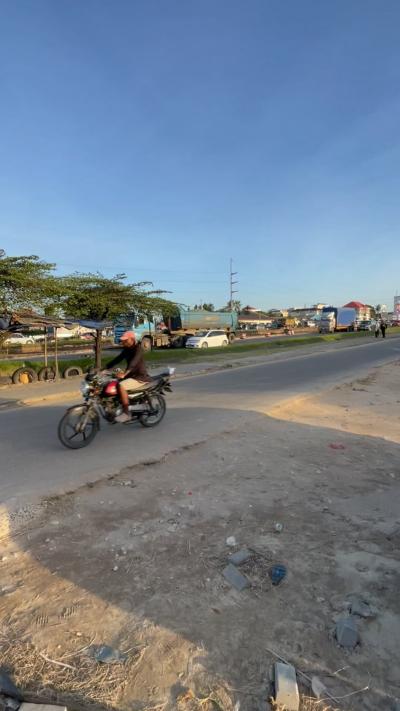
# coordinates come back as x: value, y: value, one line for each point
x: 95, y: 325
x: 31, y: 319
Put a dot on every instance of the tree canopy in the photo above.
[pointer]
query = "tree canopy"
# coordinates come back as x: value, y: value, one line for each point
x: 26, y: 282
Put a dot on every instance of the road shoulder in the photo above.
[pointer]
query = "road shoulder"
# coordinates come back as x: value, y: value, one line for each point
x: 136, y: 561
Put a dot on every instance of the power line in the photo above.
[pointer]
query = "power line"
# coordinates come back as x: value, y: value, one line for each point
x: 126, y: 267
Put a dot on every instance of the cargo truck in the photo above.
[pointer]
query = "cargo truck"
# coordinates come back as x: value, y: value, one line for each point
x: 337, y: 319
x: 174, y: 331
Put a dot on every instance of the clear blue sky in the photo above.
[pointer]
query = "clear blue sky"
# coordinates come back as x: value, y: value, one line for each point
x: 161, y: 137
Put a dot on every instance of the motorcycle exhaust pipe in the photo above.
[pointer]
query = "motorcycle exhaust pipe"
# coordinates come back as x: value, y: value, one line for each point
x: 138, y: 408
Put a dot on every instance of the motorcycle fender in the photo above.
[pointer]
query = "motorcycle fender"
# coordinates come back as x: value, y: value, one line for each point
x: 83, y: 406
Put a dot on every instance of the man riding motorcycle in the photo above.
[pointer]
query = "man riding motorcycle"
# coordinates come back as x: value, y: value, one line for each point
x: 135, y: 374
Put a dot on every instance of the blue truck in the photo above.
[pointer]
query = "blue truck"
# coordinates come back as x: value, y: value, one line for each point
x: 173, y: 331
x: 337, y: 319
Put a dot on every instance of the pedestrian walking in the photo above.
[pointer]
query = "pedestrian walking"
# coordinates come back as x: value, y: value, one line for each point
x: 377, y: 328
x: 383, y: 329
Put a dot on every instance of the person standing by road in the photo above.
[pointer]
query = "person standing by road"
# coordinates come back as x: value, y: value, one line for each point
x: 377, y: 328
x: 383, y: 329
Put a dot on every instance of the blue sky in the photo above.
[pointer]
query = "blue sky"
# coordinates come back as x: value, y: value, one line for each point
x: 162, y: 138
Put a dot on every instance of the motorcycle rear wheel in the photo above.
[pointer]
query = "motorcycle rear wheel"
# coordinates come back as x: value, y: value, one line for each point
x: 71, y: 432
x: 158, y: 404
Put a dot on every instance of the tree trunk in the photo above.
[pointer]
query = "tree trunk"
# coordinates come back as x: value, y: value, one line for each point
x: 4, y: 335
x: 97, y: 350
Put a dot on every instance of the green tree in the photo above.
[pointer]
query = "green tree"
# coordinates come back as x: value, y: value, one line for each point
x: 208, y: 307
x: 234, y: 305
x: 26, y: 282
x: 98, y: 298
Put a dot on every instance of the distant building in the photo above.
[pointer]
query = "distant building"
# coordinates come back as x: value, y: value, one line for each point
x: 363, y: 310
x: 250, y: 317
x: 305, y: 312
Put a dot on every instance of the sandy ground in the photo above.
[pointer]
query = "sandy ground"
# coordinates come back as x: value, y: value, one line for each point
x: 136, y: 562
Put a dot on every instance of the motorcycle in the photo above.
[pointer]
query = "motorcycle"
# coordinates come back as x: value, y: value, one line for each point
x: 81, y: 423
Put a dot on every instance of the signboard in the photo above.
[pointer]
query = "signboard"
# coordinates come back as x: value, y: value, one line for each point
x: 396, y: 308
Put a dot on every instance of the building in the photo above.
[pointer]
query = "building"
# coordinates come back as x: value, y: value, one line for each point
x: 363, y: 310
x: 250, y: 317
x: 305, y: 312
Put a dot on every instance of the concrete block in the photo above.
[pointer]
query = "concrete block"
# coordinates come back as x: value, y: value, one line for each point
x: 346, y: 632
x: 286, y: 689
x: 236, y: 579
x: 240, y: 556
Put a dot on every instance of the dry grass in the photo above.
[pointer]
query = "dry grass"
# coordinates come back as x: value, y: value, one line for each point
x: 308, y: 704
x: 81, y: 684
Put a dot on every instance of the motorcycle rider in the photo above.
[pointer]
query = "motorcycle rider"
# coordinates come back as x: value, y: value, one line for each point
x: 135, y: 374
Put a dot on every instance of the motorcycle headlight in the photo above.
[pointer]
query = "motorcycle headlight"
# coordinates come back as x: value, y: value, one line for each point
x: 84, y: 387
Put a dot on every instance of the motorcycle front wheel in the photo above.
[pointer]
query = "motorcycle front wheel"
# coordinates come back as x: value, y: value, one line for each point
x: 154, y: 418
x: 78, y: 427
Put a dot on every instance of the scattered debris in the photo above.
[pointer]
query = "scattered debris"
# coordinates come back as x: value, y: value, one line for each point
x: 240, y: 556
x: 278, y: 527
x: 286, y: 689
x: 346, y: 632
x: 105, y: 654
x: 8, y: 688
x: 361, y: 608
x: 277, y: 573
x: 318, y: 688
x: 42, y: 707
x: 9, y: 704
x: 235, y: 578
x: 54, y: 661
x: 231, y: 541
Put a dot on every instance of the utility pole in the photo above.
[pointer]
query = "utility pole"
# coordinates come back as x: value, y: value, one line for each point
x: 232, y: 283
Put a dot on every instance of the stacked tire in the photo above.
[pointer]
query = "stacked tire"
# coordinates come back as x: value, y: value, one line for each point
x: 24, y: 376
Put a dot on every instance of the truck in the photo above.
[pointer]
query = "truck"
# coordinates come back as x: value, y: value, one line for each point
x: 173, y: 331
x: 337, y: 319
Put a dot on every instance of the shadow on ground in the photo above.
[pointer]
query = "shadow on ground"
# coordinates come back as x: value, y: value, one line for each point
x: 136, y: 561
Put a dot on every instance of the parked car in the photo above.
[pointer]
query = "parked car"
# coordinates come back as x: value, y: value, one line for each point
x: 365, y: 325
x: 20, y: 339
x: 205, y: 339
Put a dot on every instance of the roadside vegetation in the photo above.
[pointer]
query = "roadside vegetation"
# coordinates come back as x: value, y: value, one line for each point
x: 168, y: 355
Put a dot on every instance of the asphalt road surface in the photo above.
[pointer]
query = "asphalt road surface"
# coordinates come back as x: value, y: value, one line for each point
x: 33, y: 463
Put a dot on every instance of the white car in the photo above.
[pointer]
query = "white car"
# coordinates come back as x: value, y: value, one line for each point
x: 206, y: 339
x: 20, y: 339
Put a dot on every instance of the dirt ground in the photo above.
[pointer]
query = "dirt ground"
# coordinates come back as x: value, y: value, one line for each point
x: 136, y: 562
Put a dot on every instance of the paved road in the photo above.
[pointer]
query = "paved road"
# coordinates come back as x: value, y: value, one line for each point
x: 34, y: 463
